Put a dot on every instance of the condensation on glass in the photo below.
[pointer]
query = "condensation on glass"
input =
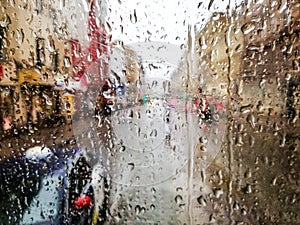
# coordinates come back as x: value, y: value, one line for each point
x: 164, y: 112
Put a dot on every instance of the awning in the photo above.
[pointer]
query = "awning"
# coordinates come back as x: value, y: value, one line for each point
x: 30, y: 76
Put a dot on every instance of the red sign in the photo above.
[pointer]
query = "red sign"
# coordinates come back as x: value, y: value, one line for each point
x: 78, y: 60
x: 1, y: 71
x: 84, y: 58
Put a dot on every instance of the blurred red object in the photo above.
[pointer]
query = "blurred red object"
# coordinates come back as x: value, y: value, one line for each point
x: 82, y: 202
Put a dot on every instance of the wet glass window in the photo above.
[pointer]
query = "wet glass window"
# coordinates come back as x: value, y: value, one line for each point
x: 138, y: 112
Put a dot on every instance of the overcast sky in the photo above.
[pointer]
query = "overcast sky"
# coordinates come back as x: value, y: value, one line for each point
x: 136, y: 20
x: 160, y: 25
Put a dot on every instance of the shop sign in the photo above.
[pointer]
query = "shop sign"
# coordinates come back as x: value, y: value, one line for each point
x: 68, y: 105
x: 29, y: 75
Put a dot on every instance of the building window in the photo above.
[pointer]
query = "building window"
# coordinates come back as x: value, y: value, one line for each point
x: 55, y: 60
x: 40, y: 51
x: 2, y: 43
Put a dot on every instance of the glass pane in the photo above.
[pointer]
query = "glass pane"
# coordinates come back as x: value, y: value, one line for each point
x: 135, y: 112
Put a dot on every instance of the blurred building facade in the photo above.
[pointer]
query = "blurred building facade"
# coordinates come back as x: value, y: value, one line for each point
x: 41, y: 64
x: 251, y: 53
x: 271, y: 55
x: 32, y: 56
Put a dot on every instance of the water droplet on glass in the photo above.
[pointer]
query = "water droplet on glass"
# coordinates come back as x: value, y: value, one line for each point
x: 131, y: 166
x: 251, y: 120
x: 122, y: 148
x: 137, y: 209
x: 218, y: 192
x: 203, y: 140
x: 152, y: 207
x: 248, y: 27
x: 178, y: 199
x: 201, y: 200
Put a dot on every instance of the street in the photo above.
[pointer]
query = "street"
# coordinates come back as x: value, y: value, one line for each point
x: 165, y: 164
x: 152, y: 150
x: 153, y: 181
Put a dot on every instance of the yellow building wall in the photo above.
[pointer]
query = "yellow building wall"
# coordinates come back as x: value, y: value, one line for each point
x: 218, y: 52
x: 29, y: 21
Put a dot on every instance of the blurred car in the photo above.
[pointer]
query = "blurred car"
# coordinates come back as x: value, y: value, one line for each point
x: 87, y: 193
x: 55, y: 186
x: 32, y: 187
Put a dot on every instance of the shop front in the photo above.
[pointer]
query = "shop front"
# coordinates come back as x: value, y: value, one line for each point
x: 41, y: 100
x: 8, y: 99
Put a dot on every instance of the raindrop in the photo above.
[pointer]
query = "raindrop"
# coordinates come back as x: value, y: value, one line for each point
x: 154, y: 84
x: 153, y: 190
x: 248, y: 189
x: 218, y: 192
x: 108, y: 26
x: 203, y: 175
x: 210, y: 4
x: 153, y: 133
x: 282, y: 6
x: 130, y: 114
x: 152, y: 176
x: 251, y: 120
x: 67, y: 62
x: 203, y: 140
x: 216, y: 16
x: 236, y: 206
x: 244, y: 212
x: 248, y: 173
x: 122, y: 148
x: 202, y: 43
x: 295, y: 65
x: 220, y: 176
x: 118, y: 217
x: 20, y: 36
x: 239, y: 140
x: 274, y: 181
x: 131, y: 166
x: 248, y: 27
x: 133, y: 18
x: 203, y: 148
x: 283, y: 140
x: 262, y: 83
x: 179, y: 189
x: 201, y: 200
x: 137, y: 209
x: 178, y: 199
